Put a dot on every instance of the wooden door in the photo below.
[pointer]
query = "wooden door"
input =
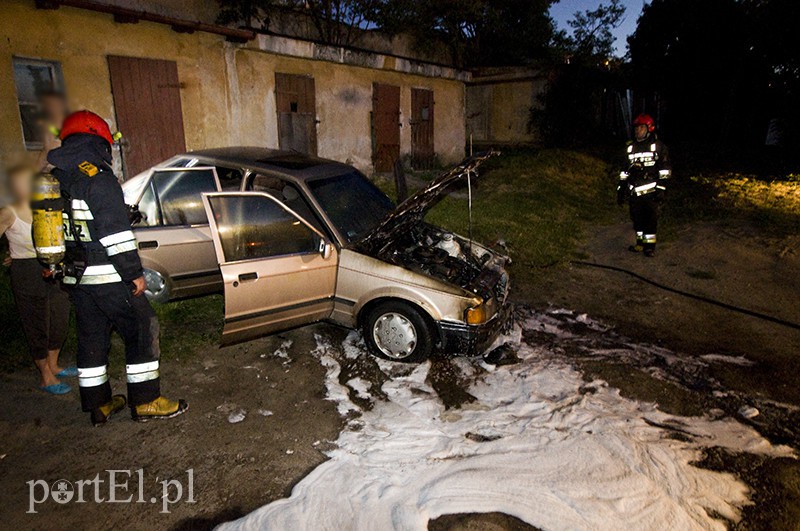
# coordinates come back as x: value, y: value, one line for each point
x: 297, y: 112
x: 422, y: 153
x: 385, y: 126
x: 147, y: 102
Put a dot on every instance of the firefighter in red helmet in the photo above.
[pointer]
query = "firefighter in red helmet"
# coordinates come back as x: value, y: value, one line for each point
x: 643, y: 182
x: 104, y: 275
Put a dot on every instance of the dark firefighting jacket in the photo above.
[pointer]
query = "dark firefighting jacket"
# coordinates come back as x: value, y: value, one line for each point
x: 101, y: 249
x: 647, y: 168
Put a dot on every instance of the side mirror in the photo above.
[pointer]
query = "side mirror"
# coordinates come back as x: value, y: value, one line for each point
x: 325, y: 249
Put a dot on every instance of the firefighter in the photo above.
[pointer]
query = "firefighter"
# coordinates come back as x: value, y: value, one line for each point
x: 643, y: 183
x: 104, y: 273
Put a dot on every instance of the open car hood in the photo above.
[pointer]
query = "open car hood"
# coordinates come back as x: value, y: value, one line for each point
x: 413, y: 210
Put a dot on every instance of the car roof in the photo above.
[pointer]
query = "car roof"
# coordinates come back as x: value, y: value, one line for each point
x: 294, y: 164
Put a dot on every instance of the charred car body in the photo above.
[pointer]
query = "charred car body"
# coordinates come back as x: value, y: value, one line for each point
x: 296, y: 240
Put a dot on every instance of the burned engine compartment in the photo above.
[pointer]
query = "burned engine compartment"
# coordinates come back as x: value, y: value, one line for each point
x: 432, y: 251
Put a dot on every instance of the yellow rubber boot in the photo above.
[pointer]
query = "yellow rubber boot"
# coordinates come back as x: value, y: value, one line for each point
x: 160, y: 408
x: 101, y: 415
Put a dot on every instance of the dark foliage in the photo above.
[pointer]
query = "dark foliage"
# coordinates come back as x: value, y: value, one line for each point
x: 723, y: 70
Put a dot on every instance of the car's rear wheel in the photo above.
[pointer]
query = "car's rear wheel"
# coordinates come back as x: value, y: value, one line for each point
x: 397, y: 331
x: 157, y: 287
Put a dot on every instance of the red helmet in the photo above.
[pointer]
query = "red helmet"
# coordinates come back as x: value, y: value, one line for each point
x: 645, y: 119
x: 86, y: 122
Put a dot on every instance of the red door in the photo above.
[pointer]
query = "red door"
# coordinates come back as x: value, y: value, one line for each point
x: 385, y: 126
x: 422, y: 153
x: 147, y: 101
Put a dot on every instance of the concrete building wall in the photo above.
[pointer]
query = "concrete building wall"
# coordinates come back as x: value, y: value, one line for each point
x: 499, y: 104
x: 227, y: 90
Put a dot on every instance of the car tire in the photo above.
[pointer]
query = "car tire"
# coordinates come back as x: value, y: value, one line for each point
x: 398, y: 331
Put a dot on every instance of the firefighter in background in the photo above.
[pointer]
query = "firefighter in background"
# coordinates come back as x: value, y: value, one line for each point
x: 104, y: 273
x: 643, y: 183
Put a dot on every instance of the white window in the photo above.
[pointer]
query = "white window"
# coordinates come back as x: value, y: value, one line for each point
x: 34, y: 78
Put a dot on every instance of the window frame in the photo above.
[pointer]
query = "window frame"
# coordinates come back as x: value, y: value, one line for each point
x: 157, y: 195
x: 223, y: 260
x: 57, y: 77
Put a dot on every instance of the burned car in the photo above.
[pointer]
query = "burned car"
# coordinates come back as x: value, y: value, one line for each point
x: 297, y: 239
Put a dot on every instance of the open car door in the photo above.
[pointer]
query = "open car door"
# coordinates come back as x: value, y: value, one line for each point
x: 278, y: 271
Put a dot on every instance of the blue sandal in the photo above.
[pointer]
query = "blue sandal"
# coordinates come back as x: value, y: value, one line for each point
x: 69, y: 372
x: 57, y: 389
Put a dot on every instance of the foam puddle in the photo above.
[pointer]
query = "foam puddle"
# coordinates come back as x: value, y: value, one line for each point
x: 538, y: 443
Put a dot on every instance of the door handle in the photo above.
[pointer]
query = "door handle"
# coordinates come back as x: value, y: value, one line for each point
x: 152, y: 244
x: 246, y: 277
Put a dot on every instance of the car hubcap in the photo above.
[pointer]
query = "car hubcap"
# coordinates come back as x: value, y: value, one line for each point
x: 155, y: 284
x: 395, y: 335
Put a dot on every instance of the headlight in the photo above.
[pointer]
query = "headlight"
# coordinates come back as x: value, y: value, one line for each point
x: 477, y: 315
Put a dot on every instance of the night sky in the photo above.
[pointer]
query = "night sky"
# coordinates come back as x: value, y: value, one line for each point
x: 563, y: 11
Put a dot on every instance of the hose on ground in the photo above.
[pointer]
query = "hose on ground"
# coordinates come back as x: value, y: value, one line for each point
x: 689, y: 295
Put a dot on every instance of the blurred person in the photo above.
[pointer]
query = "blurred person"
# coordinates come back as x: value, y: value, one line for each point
x: 643, y: 183
x: 105, y: 275
x: 53, y: 111
x: 42, y: 305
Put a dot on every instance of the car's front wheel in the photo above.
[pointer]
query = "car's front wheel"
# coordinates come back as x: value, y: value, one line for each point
x: 397, y: 331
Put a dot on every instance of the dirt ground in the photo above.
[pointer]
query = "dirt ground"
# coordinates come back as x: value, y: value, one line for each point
x: 279, y: 390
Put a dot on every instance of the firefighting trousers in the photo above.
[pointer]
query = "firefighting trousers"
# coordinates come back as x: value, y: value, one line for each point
x: 644, y: 213
x: 99, y: 309
x: 43, y: 307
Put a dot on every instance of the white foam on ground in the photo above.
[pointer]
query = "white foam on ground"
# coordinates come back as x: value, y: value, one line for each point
x: 566, y: 458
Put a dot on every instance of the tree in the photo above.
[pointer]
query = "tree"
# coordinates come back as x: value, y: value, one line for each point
x: 575, y: 109
x: 334, y: 21
x: 592, y: 30
x: 478, y: 32
x: 698, y: 58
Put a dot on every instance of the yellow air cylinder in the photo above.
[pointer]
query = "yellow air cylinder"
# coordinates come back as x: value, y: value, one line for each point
x: 48, y: 226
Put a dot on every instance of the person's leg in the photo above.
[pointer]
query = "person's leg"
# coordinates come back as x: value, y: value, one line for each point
x: 30, y: 298
x: 136, y: 322
x: 650, y: 224
x: 636, y: 217
x: 94, y: 342
x: 59, y: 306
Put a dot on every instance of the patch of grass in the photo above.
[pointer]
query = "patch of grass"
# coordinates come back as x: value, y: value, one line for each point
x: 189, y: 324
x: 772, y: 205
x: 538, y: 202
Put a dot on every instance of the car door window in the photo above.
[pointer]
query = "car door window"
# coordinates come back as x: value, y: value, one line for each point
x: 148, y: 208
x: 179, y: 194
x: 255, y: 226
x: 230, y: 179
x: 286, y: 192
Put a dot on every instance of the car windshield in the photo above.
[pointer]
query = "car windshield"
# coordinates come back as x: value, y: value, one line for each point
x: 354, y: 205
